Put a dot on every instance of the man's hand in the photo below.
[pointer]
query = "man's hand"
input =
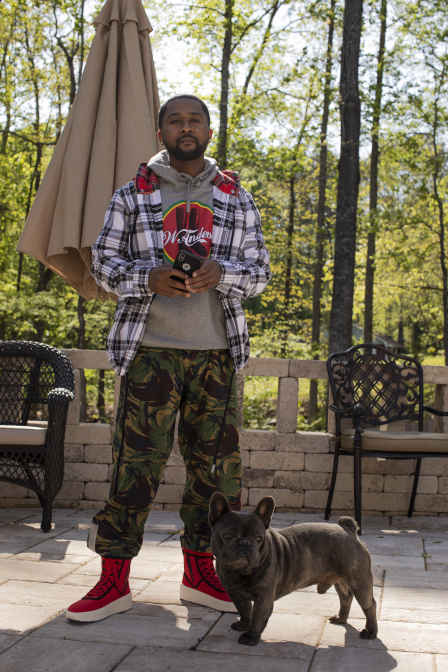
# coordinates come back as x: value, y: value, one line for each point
x: 162, y: 280
x: 205, y: 278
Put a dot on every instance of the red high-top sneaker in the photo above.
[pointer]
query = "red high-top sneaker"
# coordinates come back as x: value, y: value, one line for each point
x: 111, y: 595
x: 201, y: 585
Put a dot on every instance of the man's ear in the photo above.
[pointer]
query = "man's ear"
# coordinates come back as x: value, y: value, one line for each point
x: 210, y: 133
x: 265, y: 509
x: 218, y: 506
x: 159, y: 135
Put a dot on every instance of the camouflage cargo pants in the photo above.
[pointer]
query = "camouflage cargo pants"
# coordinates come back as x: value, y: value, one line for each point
x: 201, y: 385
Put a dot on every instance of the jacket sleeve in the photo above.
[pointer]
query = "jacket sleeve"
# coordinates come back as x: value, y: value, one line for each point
x: 250, y: 273
x: 112, y: 266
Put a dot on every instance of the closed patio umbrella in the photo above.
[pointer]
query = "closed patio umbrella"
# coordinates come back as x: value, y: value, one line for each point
x: 111, y: 128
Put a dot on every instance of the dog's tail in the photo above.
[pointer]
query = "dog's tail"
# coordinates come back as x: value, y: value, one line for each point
x: 349, y: 525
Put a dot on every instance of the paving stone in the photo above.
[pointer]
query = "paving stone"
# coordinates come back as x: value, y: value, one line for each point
x: 173, y: 541
x: 420, y: 523
x: 414, y: 614
x: 54, y: 557
x: 415, y: 596
x: 37, y: 594
x: 412, y: 578
x: 441, y: 663
x: 162, y: 591
x: 423, y: 598
x: 152, y: 659
x: 50, y: 655
x: 13, y: 547
x: 14, y: 515
x: 164, y: 521
x: 34, y: 571
x: 71, y: 543
x: 7, y: 640
x: 305, y: 602
x: 394, y: 543
x: 400, y: 562
x: 41, y: 574
x: 436, y: 549
x: 280, y: 520
x: 169, y: 626
x: 284, y: 637
x: 393, y: 635
x: 16, y: 618
x: 437, y: 566
x: 29, y: 532
x: 354, y: 660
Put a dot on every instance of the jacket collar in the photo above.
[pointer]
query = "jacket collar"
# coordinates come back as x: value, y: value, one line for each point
x: 146, y: 181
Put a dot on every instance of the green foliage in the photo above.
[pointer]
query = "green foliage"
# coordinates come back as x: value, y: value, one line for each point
x: 277, y: 65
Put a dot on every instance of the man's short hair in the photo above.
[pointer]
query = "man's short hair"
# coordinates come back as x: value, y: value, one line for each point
x: 162, y: 110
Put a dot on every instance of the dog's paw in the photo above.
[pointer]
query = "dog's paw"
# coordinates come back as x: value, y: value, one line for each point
x: 241, y: 626
x: 366, y: 634
x: 337, y: 620
x: 249, y: 638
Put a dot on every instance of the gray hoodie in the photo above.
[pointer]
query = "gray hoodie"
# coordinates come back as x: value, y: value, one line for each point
x: 196, y: 323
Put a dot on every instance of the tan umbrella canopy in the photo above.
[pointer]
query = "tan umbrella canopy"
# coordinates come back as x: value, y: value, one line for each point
x: 111, y: 128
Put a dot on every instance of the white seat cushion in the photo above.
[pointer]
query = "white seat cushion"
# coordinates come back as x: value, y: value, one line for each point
x: 24, y: 435
x: 400, y: 442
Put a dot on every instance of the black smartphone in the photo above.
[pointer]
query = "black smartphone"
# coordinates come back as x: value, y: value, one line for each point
x: 187, y: 262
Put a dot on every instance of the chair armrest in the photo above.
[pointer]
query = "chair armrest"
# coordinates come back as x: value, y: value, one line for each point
x: 336, y: 409
x: 60, y: 394
x: 355, y: 411
x: 58, y: 401
x: 435, y: 411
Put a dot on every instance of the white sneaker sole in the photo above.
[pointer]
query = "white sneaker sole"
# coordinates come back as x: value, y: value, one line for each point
x: 116, y: 607
x: 195, y: 596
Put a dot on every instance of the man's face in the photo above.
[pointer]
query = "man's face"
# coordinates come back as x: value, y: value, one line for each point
x: 185, y: 131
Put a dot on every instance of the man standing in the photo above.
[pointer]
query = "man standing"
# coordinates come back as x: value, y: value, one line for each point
x: 177, y: 340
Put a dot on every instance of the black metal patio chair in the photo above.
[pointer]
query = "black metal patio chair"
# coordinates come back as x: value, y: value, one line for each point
x: 372, y: 387
x: 36, y: 386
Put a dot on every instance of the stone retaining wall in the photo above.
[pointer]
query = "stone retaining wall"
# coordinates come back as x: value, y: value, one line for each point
x: 292, y: 466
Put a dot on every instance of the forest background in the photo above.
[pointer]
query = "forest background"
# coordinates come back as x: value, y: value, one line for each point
x: 271, y: 72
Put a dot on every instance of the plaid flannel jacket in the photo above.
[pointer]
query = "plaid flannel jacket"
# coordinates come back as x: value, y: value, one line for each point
x: 130, y: 246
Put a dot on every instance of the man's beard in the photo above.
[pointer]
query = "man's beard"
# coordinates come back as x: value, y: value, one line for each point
x: 187, y: 154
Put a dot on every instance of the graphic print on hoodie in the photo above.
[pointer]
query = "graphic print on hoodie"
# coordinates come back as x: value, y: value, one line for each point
x: 187, y: 224
x: 196, y: 323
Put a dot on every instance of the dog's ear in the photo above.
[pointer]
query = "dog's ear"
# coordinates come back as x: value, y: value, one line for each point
x: 265, y: 509
x: 218, y: 506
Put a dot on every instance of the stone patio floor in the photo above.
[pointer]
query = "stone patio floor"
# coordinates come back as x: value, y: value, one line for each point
x: 40, y: 574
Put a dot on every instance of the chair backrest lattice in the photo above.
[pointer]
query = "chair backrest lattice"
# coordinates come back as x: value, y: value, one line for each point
x: 385, y: 385
x: 28, y: 371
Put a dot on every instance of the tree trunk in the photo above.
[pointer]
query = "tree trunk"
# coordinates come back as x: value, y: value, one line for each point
x: 225, y: 74
x: 264, y: 42
x: 348, y: 182
x: 436, y: 174
x: 321, y: 214
x: 4, y: 76
x: 373, y: 197
x: 288, y: 274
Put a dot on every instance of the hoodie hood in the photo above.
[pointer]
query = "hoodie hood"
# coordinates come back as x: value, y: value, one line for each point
x: 160, y: 164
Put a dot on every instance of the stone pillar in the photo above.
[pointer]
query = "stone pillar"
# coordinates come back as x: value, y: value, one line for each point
x: 74, y: 407
x: 441, y: 403
x: 287, y: 402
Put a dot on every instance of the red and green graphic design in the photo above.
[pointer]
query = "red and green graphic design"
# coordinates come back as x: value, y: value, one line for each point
x: 191, y: 230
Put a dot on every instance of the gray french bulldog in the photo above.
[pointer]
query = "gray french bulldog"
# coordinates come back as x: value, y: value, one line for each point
x: 257, y: 564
